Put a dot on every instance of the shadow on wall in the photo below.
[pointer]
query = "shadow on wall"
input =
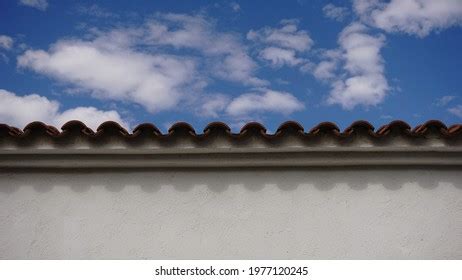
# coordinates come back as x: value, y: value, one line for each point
x: 218, y: 181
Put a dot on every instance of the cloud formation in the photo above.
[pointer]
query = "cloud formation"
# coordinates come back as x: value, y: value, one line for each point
x: 444, y: 100
x: 335, y: 12
x: 457, y: 111
x: 235, y: 6
x: 141, y: 64
x: 226, y: 56
x: 6, y: 42
x: 362, y: 80
x: 327, y: 68
x: 18, y: 111
x: 287, y: 36
x: 213, y: 105
x: 416, y: 17
x: 266, y: 101
x: 38, y: 4
x: 115, y: 71
x: 279, y: 57
x: 280, y: 46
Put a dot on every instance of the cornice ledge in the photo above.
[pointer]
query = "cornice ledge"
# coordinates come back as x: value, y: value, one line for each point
x: 216, y: 158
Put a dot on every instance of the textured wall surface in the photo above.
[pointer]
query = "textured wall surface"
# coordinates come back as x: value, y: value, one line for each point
x: 318, y: 213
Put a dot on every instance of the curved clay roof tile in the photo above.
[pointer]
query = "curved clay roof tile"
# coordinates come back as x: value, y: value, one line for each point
x: 455, y: 129
x: 217, y: 126
x: 290, y: 126
x: 397, y: 125
x: 146, y: 129
x: 359, y: 126
x: 325, y: 127
x: 9, y: 130
x: 78, y: 127
x: 110, y: 127
x: 430, y: 125
x: 253, y: 127
x: 181, y: 127
x: 40, y: 128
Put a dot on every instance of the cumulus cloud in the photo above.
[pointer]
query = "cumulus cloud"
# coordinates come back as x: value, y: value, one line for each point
x: 38, y: 4
x: 94, y: 10
x: 266, y: 101
x: 226, y: 55
x: 287, y: 36
x: 362, y: 81
x: 115, y: 72
x: 445, y: 100
x: 326, y: 69
x: 134, y: 64
x: 334, y: 12
x: 279, y: 57
x: 416, y: 17
x: 457, y: 111
x: 213, y: 105
x: 235, y: 6
x: 142, y: 65
x: 19, y: 110
x: 281, y: 46
x: 6, y: 42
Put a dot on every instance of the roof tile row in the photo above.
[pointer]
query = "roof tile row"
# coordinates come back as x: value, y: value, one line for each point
x: 74, y: 128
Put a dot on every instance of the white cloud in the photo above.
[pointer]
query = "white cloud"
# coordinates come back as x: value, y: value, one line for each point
x: 227, y: 57
x: 334, y: 12
x: 38, y: 4
x: 6, y: 42
x: 457, y: 111
x: 364, y: 7
x: 386, y: 117
x: 279, y: 57
x: 281, y: 46
x: 325, y: 70
x: 94, y: 10
x: 213, y: 105
x: 115, y: 72
x: 443, y: 101
x: 18, y: 111
x: 235, y: 6
x: 141, y: 64
x: 266, y: 101
x: 363, y: 81
x: 416, y: 17
x: 287, y: 36
x: 364, y: 90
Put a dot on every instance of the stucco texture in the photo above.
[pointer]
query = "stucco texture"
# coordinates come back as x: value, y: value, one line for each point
x: 227, y: 214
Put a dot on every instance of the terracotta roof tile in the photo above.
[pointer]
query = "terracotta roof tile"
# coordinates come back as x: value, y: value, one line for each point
x: 217, y: 127
x: 325, y: 127
x: 397, y: 127
x: 253, y: 127
x: 146, y: 129
x: 290, y: 126
x: 181, y: 127
x: 74, y: 129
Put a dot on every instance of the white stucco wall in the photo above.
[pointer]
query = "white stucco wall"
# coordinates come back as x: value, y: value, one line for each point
x: 315, y: 213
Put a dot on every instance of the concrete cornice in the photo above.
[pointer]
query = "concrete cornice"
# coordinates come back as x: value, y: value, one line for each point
x: 191, y: 158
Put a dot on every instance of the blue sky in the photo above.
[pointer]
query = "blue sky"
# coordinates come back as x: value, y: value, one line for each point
x: 232, y: 61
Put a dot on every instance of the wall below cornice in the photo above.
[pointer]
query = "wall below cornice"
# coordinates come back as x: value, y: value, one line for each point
x: 309, y: 213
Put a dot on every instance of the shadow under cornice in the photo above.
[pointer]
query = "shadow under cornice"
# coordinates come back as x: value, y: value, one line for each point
x: 218, y: 181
